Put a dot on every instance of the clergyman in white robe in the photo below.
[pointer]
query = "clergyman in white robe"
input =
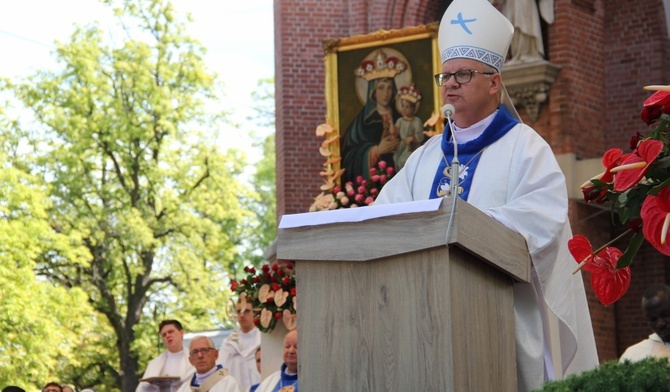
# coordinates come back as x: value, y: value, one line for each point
x: 156, y: 368
x: 238, y: 355
x: 519, y: 183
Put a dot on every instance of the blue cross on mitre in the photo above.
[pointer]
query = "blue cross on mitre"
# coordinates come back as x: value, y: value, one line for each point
x: 462, y: 22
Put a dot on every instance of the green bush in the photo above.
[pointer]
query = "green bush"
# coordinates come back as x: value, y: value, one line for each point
x: 650, y: 374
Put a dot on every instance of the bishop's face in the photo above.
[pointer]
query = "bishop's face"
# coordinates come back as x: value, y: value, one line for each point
x: 473, y: 100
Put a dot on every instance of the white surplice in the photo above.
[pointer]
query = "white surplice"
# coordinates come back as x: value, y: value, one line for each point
x: 651, y: 347
x: 155, y: 369
x: 238, y: 354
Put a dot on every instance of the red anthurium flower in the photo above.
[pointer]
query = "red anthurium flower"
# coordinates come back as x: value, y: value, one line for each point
x: 657, y: 104
x: 612, y: 158
x: 581, y: 250
x: 609, y: 283
x: 634, y: 167
x: 656, y: 220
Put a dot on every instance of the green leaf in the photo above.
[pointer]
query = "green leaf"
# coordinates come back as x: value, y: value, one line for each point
x: 633, y: 246
x: 654, y: 190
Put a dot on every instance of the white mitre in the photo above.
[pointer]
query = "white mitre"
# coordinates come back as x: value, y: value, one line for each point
x: 476, y: 30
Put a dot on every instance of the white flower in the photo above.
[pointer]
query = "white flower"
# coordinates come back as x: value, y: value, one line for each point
x: 280, y: 297
x: 263, y: 293
x: 266, y: 317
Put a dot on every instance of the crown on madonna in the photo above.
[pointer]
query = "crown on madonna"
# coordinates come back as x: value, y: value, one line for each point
x: 381, y: 67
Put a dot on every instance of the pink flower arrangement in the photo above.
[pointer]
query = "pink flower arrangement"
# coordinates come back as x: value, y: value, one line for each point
x: 637, y: 186
x: 359, y: 194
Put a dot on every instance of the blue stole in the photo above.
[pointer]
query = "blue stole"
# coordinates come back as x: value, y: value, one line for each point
x: 286, y: 380
x: 469, y: 154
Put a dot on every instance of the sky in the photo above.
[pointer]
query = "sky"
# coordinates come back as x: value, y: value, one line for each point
x: 238, y: 35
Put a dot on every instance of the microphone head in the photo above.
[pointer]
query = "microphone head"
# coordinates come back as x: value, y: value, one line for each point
x: 448, y: 110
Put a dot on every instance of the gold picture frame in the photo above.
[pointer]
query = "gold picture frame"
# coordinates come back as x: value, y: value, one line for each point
x: 417, y: 55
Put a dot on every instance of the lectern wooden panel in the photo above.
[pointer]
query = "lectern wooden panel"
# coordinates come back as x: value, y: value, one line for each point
x: 426, y: 317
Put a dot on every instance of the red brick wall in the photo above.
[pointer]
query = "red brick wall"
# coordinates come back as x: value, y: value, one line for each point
x: 300, y: 26
x: 608, y: 49
x: 576, y: 118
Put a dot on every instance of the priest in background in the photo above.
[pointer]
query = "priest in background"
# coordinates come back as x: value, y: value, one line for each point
x: 237, y: 351
x: 285, y: 379
x: 656, y: 309
x: 173, y: 362
x: 208, y: 376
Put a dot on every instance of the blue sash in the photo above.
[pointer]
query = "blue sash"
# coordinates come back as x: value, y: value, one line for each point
x: 468, y: 154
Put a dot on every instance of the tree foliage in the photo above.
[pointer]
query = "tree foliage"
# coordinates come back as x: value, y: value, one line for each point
x: 38, y: 325
x: 263, y: 226
x: 149, y: 210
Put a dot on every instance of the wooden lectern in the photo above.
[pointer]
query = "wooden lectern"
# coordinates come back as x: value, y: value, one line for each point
x: 386, y: 305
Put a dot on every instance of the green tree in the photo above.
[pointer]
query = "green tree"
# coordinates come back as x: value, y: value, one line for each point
x: 265, y: 207
x: 127, y: 149
x: 263, y: 226
x: 39, y: 327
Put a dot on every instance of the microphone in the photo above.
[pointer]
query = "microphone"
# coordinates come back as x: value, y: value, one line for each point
x: 448, y: 110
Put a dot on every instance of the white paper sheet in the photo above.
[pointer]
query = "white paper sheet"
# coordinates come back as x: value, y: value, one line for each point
x: 357, y: 214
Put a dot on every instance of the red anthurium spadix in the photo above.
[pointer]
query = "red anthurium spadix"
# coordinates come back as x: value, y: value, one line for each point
x: 634, y: 167
x: 655, y: 215
x: 612, y: 158
x: 609, y: 283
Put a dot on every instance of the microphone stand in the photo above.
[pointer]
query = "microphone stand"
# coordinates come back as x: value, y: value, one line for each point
x: 448, y: 111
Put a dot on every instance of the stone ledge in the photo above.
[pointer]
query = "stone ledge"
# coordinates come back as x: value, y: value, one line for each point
x: 528, y: 84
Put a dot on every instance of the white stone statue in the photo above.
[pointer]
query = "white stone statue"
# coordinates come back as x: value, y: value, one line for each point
x: 527, y: 45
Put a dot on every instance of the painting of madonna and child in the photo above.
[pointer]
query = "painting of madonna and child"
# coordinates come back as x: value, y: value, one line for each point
x: 385, y: 94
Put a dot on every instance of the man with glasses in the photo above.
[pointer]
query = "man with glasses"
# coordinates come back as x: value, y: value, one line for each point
x: 237, y: 352
x: 208, y: 376
x: 173, y: 362
x: 508, y: 171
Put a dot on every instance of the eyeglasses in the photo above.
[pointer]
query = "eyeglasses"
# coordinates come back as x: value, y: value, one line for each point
x: 203, y: 351
x: 462, y: 76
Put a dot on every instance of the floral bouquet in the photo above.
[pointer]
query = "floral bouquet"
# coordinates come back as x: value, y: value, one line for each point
x: 272, y: 294
x: 362, y: 193
x: 636, y: 185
